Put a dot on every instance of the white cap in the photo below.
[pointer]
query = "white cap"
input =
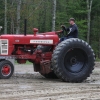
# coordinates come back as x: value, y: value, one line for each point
x: 1, y: 27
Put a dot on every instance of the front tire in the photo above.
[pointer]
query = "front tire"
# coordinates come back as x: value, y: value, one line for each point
x: 73, y: 60
x: 6, y: 69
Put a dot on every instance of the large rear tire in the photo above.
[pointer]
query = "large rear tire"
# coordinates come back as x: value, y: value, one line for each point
x: 44, y: 49
x: 73, y: 60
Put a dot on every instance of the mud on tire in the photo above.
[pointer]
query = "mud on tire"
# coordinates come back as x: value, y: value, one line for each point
x: 73, y: 60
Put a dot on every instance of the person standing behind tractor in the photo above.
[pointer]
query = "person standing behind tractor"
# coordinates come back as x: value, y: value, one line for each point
x: 72, y: 30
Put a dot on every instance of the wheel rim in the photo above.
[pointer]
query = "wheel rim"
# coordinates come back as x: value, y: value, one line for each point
x: 6, y: 70
x: 75, y: 60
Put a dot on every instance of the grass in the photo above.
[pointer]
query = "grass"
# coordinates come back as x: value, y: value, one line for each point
x: 27, y: 63
x: 98, y: 59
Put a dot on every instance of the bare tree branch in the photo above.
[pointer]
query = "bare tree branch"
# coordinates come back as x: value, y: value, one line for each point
x: 53, y: 15
x: 89, y: 8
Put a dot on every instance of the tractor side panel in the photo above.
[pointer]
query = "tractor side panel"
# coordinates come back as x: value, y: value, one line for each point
x: 8, y: 42
x: 38, y: 39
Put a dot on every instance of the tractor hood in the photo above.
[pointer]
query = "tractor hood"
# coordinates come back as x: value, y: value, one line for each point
x: 48, y: 38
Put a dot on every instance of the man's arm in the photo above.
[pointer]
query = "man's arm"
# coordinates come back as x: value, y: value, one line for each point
x: 72, y: 29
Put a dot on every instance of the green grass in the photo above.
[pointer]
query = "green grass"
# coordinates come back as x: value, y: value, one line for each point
x: 27, y: 63
x: 98, y: 59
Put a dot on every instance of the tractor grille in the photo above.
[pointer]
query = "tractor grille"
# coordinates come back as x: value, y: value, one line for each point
x: 4, y: 47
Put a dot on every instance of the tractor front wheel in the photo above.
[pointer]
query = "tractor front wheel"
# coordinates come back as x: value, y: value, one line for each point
x: 6, y: 69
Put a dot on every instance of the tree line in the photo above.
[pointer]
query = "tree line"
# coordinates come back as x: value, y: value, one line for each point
x: 49, y: 15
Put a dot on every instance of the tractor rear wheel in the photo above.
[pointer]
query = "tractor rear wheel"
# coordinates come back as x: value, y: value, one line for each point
x: 44, y: 49
x: 73, y: 60
x: 6, y: 69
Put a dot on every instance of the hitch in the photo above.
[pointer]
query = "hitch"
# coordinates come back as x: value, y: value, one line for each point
x: 45, y: 67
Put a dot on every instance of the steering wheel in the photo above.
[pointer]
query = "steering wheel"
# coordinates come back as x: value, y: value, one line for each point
x: 61, y: 33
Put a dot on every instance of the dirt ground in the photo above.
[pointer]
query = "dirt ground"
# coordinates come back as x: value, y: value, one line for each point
x: 28, y: 85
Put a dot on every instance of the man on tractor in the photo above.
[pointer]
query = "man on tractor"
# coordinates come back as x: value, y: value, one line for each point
x: 72, y: 30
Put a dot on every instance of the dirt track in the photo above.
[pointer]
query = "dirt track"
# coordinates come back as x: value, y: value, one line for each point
x: 27, y: 85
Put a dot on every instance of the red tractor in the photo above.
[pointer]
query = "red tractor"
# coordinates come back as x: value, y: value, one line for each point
x: 71, y: 60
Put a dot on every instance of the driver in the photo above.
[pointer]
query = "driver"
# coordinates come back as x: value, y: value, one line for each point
x: 72, y: 30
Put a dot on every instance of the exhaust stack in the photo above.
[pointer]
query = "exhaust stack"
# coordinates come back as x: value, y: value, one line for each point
x: 25, y: 26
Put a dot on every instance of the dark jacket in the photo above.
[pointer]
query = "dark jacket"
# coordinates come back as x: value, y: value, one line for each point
x: 73, y: 31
